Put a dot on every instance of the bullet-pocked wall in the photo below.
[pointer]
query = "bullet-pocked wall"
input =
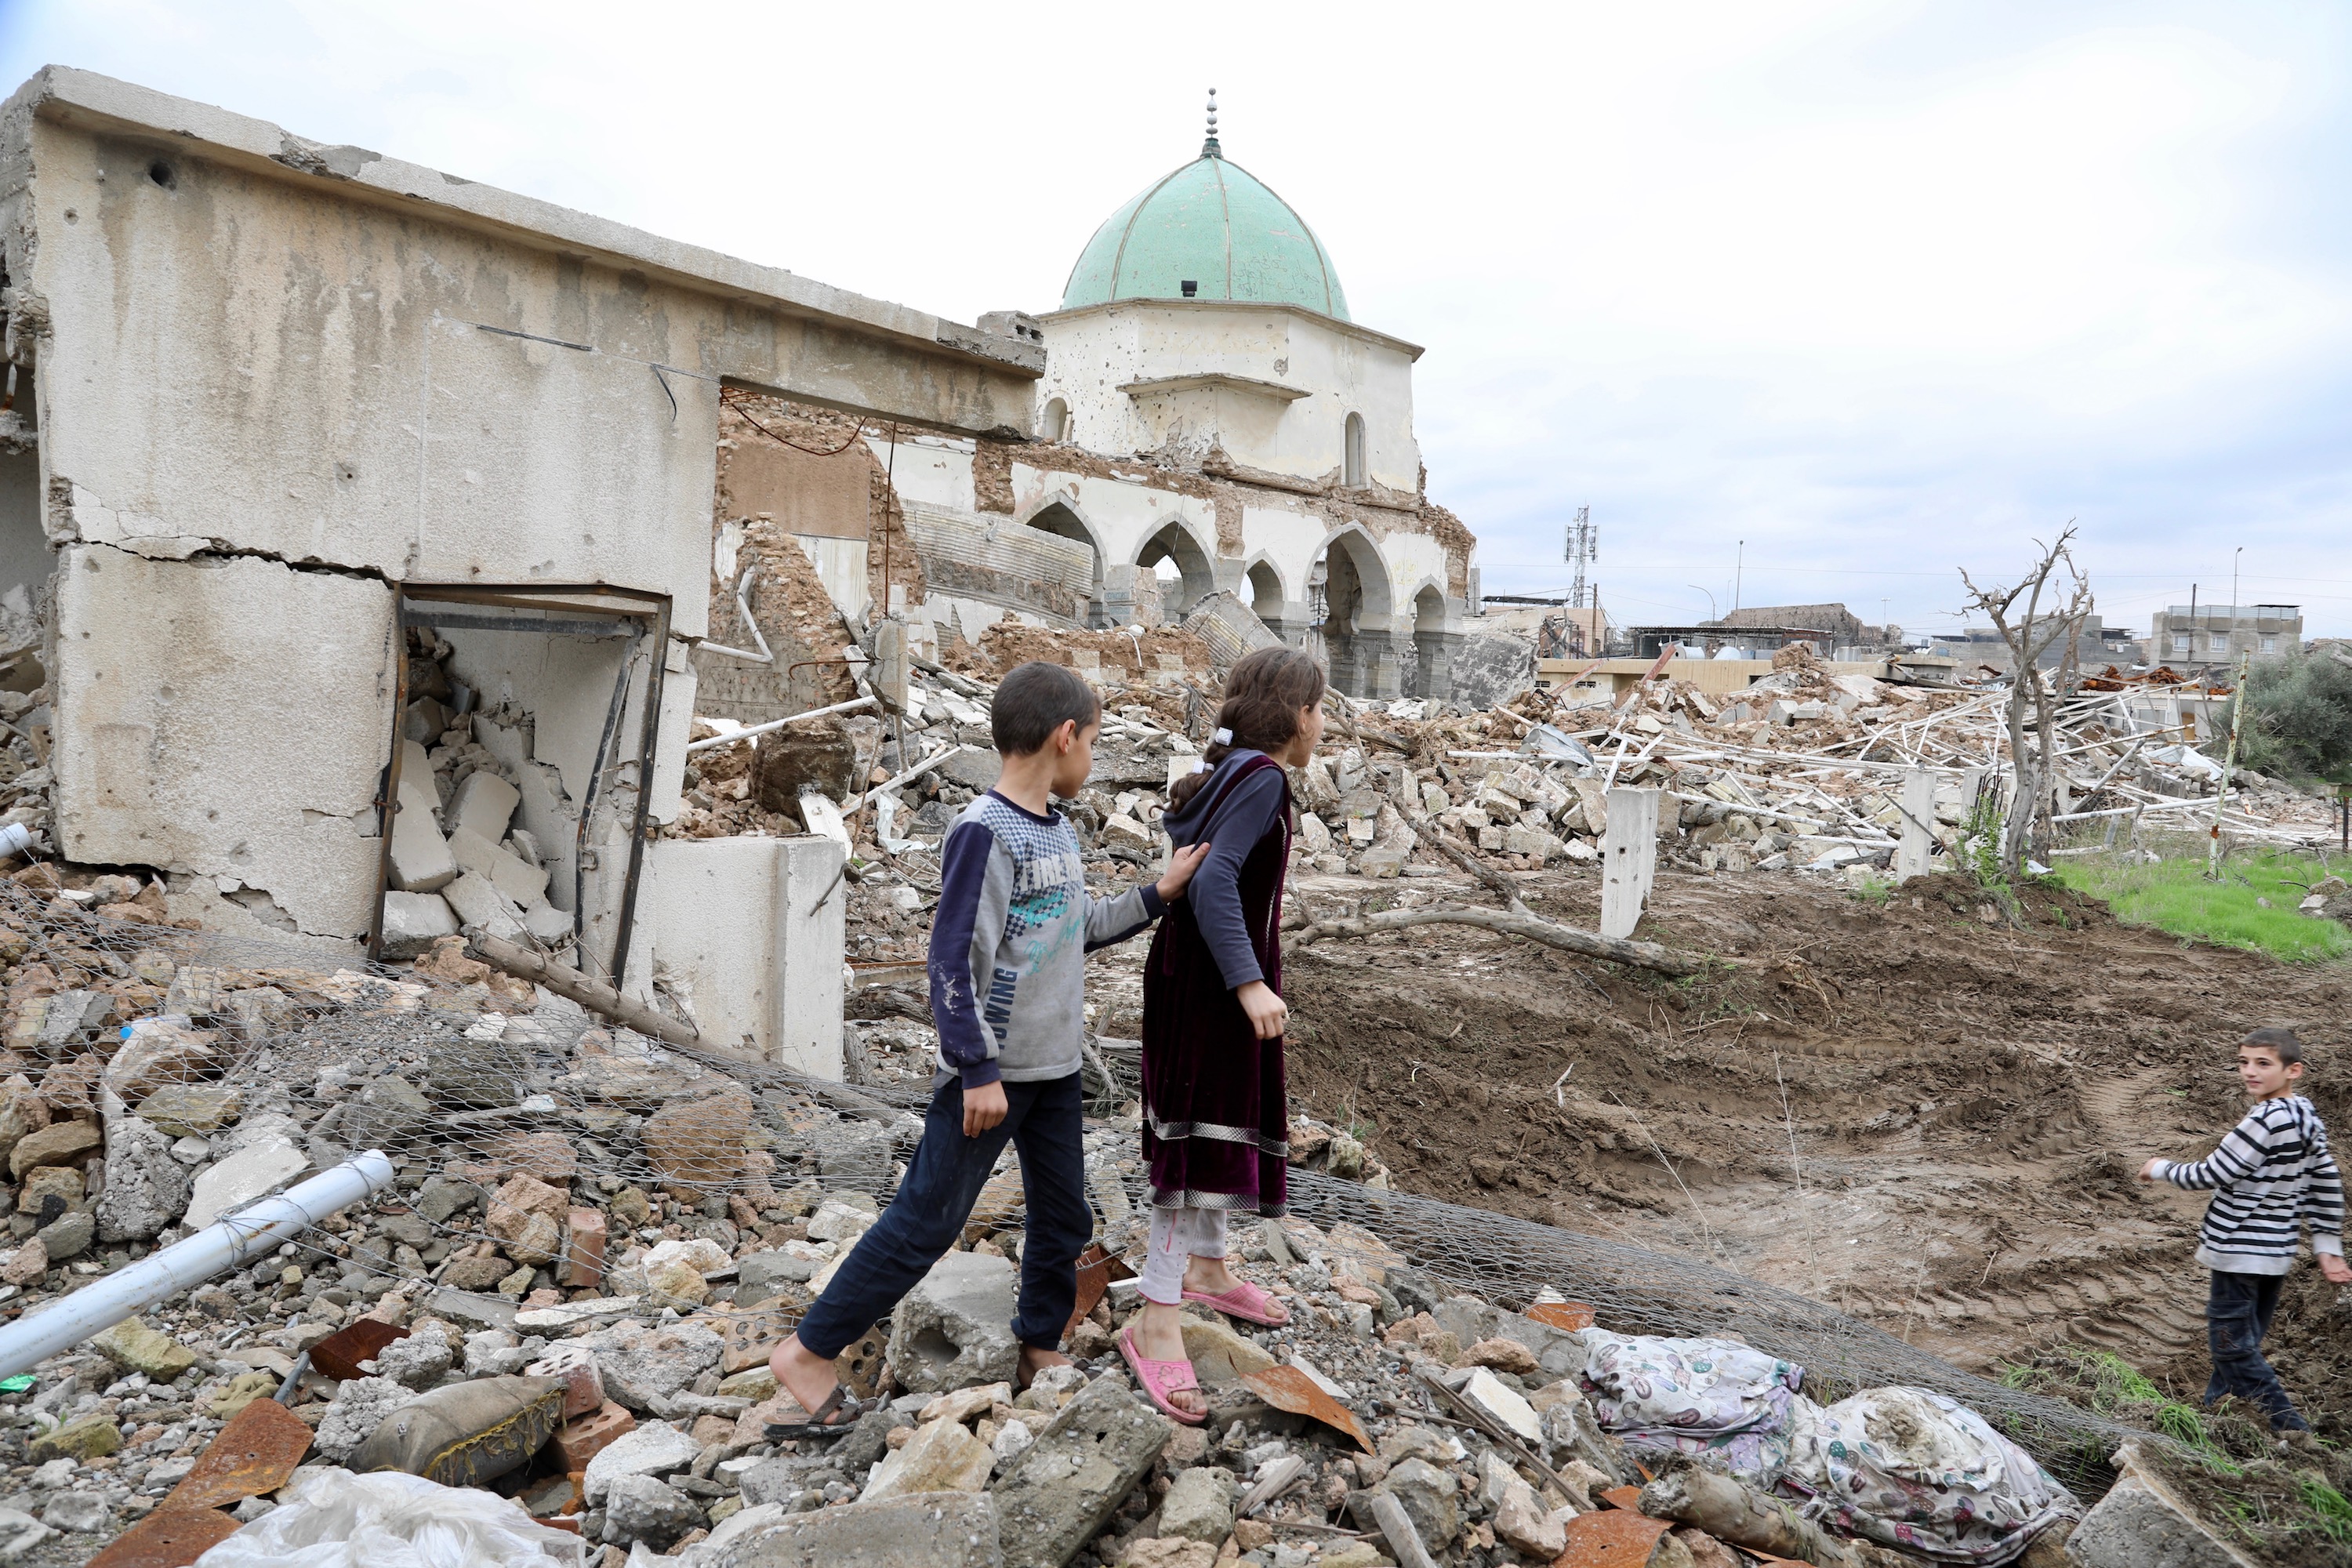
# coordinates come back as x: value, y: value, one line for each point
x: 276, y: 379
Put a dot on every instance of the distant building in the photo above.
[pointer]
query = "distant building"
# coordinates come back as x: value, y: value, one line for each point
x: 2189, y: 636
x: 2099, y: 644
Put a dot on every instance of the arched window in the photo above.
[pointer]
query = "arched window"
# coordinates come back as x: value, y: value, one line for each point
x: 1054, y: 425
x: 1353, y: 472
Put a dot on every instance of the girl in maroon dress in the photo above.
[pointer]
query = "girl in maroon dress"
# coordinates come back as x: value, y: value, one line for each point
x: 1215, y: 1111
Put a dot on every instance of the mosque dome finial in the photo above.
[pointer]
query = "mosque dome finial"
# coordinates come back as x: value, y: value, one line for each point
x: 1208, y: 149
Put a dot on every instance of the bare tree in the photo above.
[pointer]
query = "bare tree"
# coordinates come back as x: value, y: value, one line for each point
x: 2029, y: 635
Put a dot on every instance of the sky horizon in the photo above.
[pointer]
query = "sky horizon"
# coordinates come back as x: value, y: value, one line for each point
x: 1854, y: 295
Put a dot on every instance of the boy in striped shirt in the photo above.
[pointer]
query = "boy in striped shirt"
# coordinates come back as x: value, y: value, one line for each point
x: 2272, y: 1173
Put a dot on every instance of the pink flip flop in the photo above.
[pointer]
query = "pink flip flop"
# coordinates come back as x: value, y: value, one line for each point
x: 1245, y: 1301
x: 1161, y: 1378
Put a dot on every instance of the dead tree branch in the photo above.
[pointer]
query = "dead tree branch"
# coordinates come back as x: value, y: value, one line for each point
x: 2029, y: 637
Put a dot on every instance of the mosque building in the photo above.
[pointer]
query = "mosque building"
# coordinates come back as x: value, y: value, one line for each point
x: 1210, y: 417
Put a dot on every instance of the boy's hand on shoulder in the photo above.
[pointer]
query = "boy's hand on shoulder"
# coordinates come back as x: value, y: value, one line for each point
x: 983, y: 1108
x: 2338, y: 1272
x: 1181, y: 867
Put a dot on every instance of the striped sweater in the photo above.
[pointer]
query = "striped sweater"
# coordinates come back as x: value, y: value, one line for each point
x: 2270, y: 1174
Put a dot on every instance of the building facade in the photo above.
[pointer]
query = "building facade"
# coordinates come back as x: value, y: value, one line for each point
x: 2195, y: 635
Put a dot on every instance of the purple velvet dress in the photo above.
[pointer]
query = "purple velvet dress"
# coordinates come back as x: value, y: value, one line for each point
x: 1217, y: 1109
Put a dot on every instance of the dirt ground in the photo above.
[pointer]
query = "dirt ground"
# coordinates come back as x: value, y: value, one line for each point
x: 1926, y: 1120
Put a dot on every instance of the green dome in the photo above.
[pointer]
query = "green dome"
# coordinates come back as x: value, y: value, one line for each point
x: 1214, y: 223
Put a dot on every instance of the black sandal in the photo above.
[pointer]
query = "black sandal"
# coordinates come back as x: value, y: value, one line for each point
x: 835, y: 1417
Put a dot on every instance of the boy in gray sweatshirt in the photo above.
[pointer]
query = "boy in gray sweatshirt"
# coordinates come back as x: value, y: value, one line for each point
x: 1009, y: 940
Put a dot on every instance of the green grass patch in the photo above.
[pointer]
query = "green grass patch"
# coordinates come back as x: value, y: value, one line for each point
x: 2173, y: 895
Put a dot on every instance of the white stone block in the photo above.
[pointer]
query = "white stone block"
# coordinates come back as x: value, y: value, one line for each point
x: 824, y: 818
x: 546, y: 924
x: 484, y: 803
x: 420, y: 857
x: 414, y: 921
x: 518, y: 878
x: 1629, y: 859
x: 243, y: 1177
x: 478, y: 902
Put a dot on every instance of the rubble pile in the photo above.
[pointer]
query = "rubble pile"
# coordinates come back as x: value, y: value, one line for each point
x: 568, y: 1295
x: 459, y: 856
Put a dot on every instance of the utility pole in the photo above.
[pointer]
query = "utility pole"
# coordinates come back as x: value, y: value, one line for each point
x: 1739, y: 570
x: 2229, y: 760
x: 2233, y: 604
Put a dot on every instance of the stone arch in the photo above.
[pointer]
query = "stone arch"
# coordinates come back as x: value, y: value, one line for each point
x: 1195, y: 561
x: 1357, y: 614
x: 1054, y: 420
x: 1060, y: 515
x: 1434, y: 635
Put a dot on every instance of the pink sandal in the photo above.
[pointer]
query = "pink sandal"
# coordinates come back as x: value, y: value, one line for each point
x: 1245, y: 1301
x: 1161, y: 1378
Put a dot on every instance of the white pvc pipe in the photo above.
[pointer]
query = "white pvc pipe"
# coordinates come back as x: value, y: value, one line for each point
x: 732, y: 736
x: 239, y: 1238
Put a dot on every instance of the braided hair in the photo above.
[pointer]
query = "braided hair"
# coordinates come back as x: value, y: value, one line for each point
x: 1264, y: 694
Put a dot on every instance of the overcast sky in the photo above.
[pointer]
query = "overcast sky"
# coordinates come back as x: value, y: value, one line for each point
x: 1881, y: 288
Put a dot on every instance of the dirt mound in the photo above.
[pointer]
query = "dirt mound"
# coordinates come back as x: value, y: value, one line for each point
x: 1163, y: 652
x: 1906, y: 1107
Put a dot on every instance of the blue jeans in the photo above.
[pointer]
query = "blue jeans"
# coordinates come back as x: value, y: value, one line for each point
x: 1044, y: 1123
x: 2237, y: 1317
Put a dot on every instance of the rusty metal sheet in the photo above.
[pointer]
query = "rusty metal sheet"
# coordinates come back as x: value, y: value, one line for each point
x: 168, y: 1538
x: 1096, y: 1270
x: 1570, y: 1316
x: 1627, y: 1498
x: 1287, y: 1388
x: 340, y: 1353
x: 1611, y: 1538
x: 255, y: 1453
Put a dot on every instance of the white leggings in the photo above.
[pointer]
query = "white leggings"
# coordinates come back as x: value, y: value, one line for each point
x: 1179, y: 1236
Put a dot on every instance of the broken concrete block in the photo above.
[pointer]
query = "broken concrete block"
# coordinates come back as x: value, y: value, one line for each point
x: 1431, y: 1500
x: 478, y: 903
x: 584, y: 1252
x: 484, y: 803
x: 942, y: 1457
x: 954, y: 1328
x: 2142, y: 1521
x: 159, y: 1051
x: 360, y: 1406
x: 639, y: 1508
x: 1381, y: 864
x: 421, y: 860
x: 243, y: 1177
x: 1523, y: 1524
x: 945, y: 1530
x: 70, y: 1235
x: 642, y: 1367
x: 413, y: 922
x: 547, y: 924
x: 1200, y: 1505
x: 508, y: 871
x: 1061, y: 1491
x: 81, y: 1439
x: 146, y: 1184
x: 651, y: 1449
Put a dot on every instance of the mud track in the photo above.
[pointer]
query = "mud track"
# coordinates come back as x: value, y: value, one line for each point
x: 1924, y: 1120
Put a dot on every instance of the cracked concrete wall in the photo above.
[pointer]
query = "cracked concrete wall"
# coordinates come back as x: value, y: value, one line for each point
x: 183, y: 676
x: 262, y: 361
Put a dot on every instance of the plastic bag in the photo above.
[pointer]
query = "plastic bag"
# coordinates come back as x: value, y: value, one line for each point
x: 333, y: 1519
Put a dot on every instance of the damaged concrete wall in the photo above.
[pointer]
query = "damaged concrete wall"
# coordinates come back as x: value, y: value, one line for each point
x: 265, y: 362
x: 182, y: 675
